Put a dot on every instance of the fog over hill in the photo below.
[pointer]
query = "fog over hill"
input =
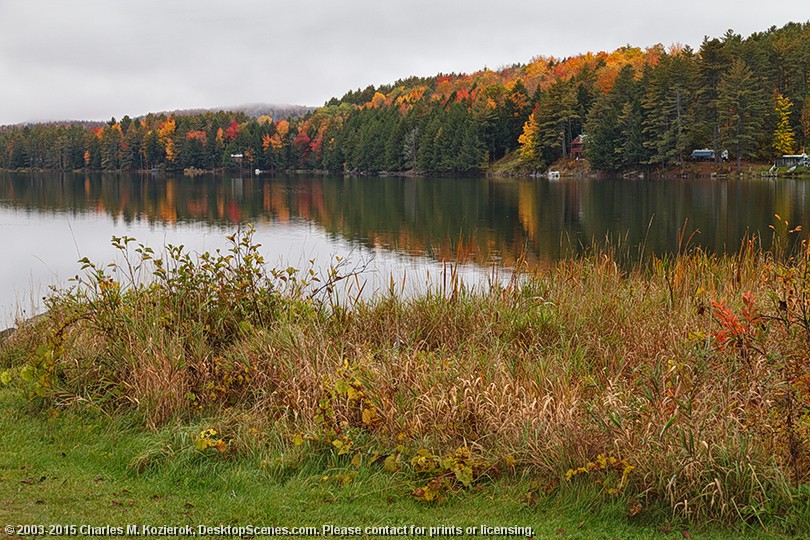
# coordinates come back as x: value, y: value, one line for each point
x: 254, y: 110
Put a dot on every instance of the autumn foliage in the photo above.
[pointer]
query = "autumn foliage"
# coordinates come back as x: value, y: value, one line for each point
x: 638, y: 108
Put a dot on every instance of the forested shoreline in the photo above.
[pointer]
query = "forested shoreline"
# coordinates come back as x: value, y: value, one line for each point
x: 639, y: 109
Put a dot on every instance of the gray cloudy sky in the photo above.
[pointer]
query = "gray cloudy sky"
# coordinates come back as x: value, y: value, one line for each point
x: 93, y: 59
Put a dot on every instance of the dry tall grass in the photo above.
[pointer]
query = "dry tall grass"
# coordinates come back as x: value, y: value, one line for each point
x: 693, y: 370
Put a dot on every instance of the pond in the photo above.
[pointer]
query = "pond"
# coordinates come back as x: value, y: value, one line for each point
x: 410, y: 231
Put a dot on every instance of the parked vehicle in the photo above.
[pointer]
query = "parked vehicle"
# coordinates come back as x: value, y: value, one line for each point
x: 705, y: 154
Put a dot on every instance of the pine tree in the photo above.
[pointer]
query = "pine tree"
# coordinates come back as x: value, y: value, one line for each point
x: 410, y: 145
x: 805, y: 121
x: 555, y: 115
x: 741, y: 106
x: 667, y: 105
x: 614, y: 126
x: 712, y: 62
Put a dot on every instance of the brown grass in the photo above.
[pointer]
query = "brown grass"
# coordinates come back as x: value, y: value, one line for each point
x: 553, y: 370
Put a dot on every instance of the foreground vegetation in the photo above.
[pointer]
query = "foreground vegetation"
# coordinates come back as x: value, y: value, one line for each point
x: 674, y: 395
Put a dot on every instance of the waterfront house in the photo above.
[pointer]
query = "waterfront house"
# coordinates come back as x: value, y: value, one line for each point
x: 792, y: 160
x: 576, y: 146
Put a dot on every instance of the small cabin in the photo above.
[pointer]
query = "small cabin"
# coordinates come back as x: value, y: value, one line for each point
x: 576, y: 146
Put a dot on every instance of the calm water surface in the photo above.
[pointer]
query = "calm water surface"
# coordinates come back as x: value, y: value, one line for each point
x: 407, y: 229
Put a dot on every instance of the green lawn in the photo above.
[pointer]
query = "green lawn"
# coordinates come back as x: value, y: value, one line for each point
x: 76, y: 469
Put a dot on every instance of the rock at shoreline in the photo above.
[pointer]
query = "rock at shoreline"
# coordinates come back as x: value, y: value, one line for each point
x: 5, y: 334
x: 8, y: 332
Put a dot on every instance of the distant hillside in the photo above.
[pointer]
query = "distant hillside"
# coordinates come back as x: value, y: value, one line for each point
x: 88, y: 124
x: 254, y: 110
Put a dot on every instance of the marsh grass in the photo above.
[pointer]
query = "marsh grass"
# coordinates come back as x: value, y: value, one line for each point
x: 679, y: 388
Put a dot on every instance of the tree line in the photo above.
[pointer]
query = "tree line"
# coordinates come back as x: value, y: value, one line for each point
x: 638, y: 108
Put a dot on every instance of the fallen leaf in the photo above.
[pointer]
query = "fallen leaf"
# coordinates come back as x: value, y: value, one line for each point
x: 686, y: 534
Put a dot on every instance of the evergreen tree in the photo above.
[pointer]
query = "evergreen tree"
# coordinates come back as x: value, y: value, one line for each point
x: 614, y: 126
x: 666, y: 105
x: 410, y: 149
x: 712, y: 61
x: 151, y: 149
x: 805, y: 121
x: 516, y: 109
x: 741, y: 105
x: 554, y: 118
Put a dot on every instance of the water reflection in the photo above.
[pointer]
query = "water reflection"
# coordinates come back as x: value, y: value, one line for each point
x: 409, y: 227
x: 481, y: 219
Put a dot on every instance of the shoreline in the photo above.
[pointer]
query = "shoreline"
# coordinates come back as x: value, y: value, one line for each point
x: 754, y: 171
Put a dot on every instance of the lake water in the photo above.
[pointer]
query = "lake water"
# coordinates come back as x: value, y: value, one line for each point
x: 403, y: 229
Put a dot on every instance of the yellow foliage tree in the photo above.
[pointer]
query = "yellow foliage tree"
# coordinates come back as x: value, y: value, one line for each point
x: 275, y: 142
x: 171, y: 150
x: 167, y: 129
x: 529, y: 140
x: 165, y: 136
x: 378, y: 100
x: 784, y: 140
x: 282, y: 128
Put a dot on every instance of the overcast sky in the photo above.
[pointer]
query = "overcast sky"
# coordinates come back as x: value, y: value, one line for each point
x: 93, y: 59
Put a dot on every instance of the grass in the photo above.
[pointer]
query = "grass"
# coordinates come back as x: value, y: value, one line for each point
x: 78, y: 469
x: 584, y: 398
